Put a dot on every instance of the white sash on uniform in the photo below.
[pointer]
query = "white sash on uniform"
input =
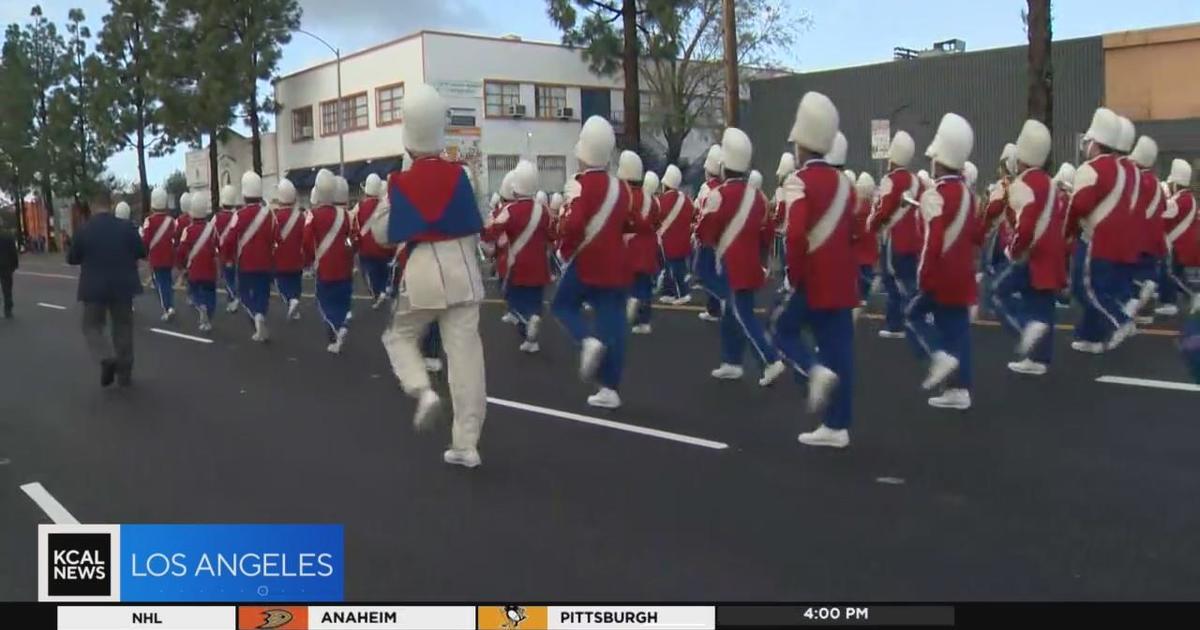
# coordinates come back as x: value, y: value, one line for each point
x: 596, y: 223
x: 163, y: 226
x: 339, y: 219
x: 832, y: 216
x: 205, y: 236
x: 252, y: 229
x: 736, y: 224
x: 293, y: 219
x: 535, y: 219
x: 671, y: 216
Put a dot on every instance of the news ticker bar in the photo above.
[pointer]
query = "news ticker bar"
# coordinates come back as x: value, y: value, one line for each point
x: 513, y: 617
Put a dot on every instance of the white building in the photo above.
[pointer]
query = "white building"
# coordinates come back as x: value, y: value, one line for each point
x: 507, y: 99
x: 234, y: 158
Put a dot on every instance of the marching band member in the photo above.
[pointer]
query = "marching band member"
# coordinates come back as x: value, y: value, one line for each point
x: 821, y: 271
x: 197, y: 256
x: 221, y: 222
x: 526, y: 221
x: 158, y: 235
x: 1024, y: 292
x: 674, y: 236
x: 341, y: 200
x: 249, y: 239
x: 327, y: 249
x: 641, y: 256
x: 787, y: 166
x: 185, y: 216
x: 1064, y: 180
x: 1147, y: 214
x: 500, y: 247
x: 595, y: 217
x: 733, y: 226
x: 122, y: 211
x: 994, y: 230
x: 703, y: 266
x: 289, y: 247
x: 1098, y: 213
x: 866, y: 245
x: 946, y: 271
x: 373, y: 259
x: 895, y: 221
x: 434, y: 213
x: 556, y: 204
x: 1182, y: 223
x: 1127, y: 268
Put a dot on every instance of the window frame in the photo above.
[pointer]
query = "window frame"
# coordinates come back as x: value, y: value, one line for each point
x: 351, y: 120
x: 397, y: 116
x: 503, y: 101
x: 311, y: 123
x: 537, y: 100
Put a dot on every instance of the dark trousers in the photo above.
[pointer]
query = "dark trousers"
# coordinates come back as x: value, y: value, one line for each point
x: 6, y: 282
x: 116, y: 343
x: 1018, y: 303
x: 950, y: 332
x: 609, y: 321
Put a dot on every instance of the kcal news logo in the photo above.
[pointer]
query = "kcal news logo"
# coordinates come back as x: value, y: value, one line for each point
x: 78, y: 563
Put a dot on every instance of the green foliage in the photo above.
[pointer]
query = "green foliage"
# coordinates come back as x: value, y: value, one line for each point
x: 17, y: 103
x: 74, y: 117
x: 176, y: 184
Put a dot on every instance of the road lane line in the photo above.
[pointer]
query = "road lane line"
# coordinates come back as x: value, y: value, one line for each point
x: 56, y: 307
x: 609, y: 424
x: 1147, y: 382
x: 180, y: 335
x: 60, y: 276
x: 49, y: 504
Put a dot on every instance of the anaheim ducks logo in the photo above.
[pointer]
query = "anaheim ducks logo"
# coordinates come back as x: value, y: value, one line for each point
x: 275, y: 618
x: 513, y: 616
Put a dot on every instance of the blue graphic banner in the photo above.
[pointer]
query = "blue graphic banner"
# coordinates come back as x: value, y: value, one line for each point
x: 232, y: 563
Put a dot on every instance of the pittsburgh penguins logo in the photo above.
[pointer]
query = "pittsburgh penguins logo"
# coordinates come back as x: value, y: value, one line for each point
x: 513, y: 616
x: 275, y: 618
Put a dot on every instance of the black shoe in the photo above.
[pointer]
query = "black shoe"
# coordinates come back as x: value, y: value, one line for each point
x: 108, y: 372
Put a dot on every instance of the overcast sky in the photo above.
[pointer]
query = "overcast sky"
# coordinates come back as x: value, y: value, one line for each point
x: 843, y: 33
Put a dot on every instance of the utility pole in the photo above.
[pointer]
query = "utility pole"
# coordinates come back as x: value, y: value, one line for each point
x: 729, y: 24
x: 1041, y: 65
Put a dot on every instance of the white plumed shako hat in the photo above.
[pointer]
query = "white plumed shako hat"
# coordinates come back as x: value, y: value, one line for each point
x: 158, y: 199
x: 373, y: 186
x: 424, y: 119
x: 1181, y: 173
x: 865, y: 186
x: 673, y: 177
x: 787, y: 165
x: 736, y: 150
x: 324, y: 187
x: 901, y: 149
x: 837, y: 153
x: 816, y: 123
x: 1033, y: 144
x: 1145, y: 152
x: 122, y: 210
x: 629, y: 167
x: 712, y: 161
x: 1127, y: 135
x: 1105, y: 128
x: 650, y: 182
x: 251, y: 186
x: 286, y: 192
x: 525, y: 179
x: 953, y: 142
x: 596, y: 142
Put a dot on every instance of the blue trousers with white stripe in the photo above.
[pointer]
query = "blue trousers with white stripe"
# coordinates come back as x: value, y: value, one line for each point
x: 675, y: 280
x: 643, y: 290
x: 833, y: 331
x: 229, y: 275
x: 739, y: 324
x: 900, y: 280
x: 705, y: 268
x: 950, y: 332
x: 1018, y: 303
x: 333, y: 301
x: 1100, y: 288
x: 524, y: 303
x: 204, y: 296
x: 254, y: 289
x: 377, y: 273
x: 288, y: 284
x: 164, y: 284
x: 609, y: 318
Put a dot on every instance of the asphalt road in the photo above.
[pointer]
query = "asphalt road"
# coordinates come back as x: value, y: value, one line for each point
x: 1054, y: 488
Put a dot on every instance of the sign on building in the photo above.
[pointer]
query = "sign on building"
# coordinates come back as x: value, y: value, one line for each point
x: 881, y: 137
x: 459, y: 88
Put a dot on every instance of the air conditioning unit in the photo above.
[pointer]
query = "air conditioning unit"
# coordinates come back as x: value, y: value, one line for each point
x: 565, y: 113
x: 516, y: 111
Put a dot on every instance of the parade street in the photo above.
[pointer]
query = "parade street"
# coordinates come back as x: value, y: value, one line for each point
x: 1067, y: 487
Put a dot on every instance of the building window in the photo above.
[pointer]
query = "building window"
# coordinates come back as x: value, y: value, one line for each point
x: 499, y: 96
x: 550, y: 99
x: 387, y: 104
x: 646, y: 103
x: 354, y: 115
x: 498, y: 166
x: 302, y: 124
x: 552, y: 173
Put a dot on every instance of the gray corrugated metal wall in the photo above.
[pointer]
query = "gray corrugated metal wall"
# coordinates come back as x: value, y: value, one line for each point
x: 987, y: 87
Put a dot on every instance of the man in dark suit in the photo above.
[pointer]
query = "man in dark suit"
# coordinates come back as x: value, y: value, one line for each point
x: 107, y: 250
x: 8, y: 265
